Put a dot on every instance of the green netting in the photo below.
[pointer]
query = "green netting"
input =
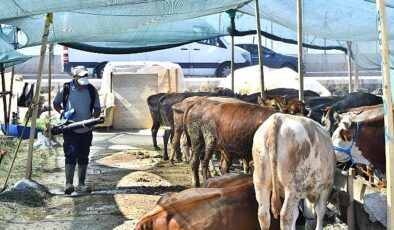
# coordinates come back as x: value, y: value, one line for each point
x: 139, y: 25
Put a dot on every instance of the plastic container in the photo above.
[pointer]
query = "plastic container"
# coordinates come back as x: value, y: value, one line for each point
x: 16, y: 131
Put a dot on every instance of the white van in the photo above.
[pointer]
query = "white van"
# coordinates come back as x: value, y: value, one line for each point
x: 209, y: 57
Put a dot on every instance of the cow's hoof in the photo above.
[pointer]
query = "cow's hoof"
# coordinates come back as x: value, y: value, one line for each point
x: 166, y: 158
x: 157, y: 148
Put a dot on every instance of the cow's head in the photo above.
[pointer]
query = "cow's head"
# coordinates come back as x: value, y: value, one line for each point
x: 330, y: 119
x: 275, y: 102
x: 342, y: 139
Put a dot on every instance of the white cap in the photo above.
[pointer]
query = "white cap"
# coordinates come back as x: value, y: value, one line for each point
x: 80, y: 71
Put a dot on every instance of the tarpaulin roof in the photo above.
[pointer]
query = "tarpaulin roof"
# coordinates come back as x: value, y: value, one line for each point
x: 155, y: 23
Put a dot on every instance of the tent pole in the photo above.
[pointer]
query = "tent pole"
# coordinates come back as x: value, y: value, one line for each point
x: 6, y: 122
x: 44, y: 41
x: 12, y: 83
x: 10, y: 99
x: 231, y: 14
x: 261, y: 68
x: 349, y: 65
x: 300, y: 60
x: 50, y: 57
x: 388, y: 108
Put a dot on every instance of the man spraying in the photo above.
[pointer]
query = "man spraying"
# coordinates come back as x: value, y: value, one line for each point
x: 77, y: 101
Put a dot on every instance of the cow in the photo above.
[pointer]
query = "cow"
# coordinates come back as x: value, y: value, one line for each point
x: 331, y: 118
x: 165, y: 108
x: 294, y: 106
x: 361, y: 142
x: 289, y: 94
x: 178, y: 114
x: 153, y: 101
x: 226, y: 127
x: 226, y: 202
x: 341, y: 104
x: 293, y: 157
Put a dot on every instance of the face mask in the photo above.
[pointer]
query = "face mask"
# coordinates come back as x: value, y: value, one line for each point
x: 83, y: 81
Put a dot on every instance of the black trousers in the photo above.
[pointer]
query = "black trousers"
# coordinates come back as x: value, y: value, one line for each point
x: 76, y: 147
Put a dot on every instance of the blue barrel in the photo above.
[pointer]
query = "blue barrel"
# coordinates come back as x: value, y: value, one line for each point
x: 16, y: 131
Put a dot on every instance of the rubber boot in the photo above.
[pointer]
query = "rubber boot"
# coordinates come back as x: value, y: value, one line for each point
x: 81, y: 179
x: 70, y: 168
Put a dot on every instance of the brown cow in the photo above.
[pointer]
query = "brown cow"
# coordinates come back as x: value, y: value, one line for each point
x: 165, y: 108
x: 294, y: 158
x: 179, y: 110
x: 226, y: 127
x: 227, y: 202
x: 294, y: 106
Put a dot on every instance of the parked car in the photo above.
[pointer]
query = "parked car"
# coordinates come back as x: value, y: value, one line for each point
x: 209, y: 57
x: 271, y: 59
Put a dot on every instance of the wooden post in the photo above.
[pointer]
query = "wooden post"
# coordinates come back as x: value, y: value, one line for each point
x: 299, y: 43
x: 356, y: 76
x: 50, y: 58
x: 350, y: 208
x: 261, y: 67
x: 388, y: 108
x: 349, y: 65
x: 232, y: 63
x: 44, y: 43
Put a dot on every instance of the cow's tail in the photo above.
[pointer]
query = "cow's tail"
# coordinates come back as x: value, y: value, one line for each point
x: 272, y: 146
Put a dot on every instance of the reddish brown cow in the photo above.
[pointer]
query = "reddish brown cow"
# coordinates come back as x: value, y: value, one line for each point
x: 227, y: 202
x: 226, y: 127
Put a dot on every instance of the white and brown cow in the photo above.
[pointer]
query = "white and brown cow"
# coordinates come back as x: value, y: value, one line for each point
x: 294, y: 158
x: 362, y: 143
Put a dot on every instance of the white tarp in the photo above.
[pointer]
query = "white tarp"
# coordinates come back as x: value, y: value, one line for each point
x: 247, y: 80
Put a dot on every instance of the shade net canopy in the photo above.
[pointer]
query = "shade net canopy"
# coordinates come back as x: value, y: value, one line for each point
x: 143, y: 25
x: 8, y: 55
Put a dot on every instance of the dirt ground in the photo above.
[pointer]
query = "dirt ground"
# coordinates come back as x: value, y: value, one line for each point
x: 127, y: 177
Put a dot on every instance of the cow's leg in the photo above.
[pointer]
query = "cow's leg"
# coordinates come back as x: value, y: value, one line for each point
x: 289, y: 211
x: 185, y: 148
x: 210, y: 148
x: 154, y: 130
x: 320, y: 208
x: 196, y: 147
x: 262, y: 185
x: 263, y: 198
x: 225, y: 163
x: 176, y: 144
x: 212, y: 169
x: 246, y: 165
x: 166, y: 136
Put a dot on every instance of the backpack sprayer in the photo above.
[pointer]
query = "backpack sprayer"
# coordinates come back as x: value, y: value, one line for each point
x: 67, y: 126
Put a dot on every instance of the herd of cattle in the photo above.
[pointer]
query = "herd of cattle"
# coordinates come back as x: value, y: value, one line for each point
x: 290, y: 145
